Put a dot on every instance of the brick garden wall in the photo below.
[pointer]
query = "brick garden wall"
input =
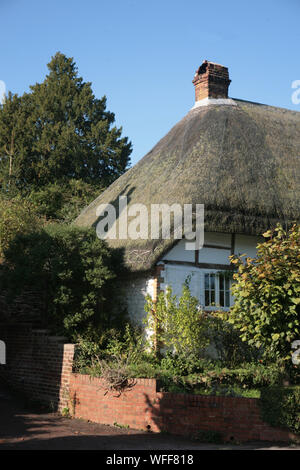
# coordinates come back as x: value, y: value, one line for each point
x: 142, y: 407
x: 37, y: 364
x: 40, y: 366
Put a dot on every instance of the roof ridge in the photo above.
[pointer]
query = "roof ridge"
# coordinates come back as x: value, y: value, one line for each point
x: 266, y: 105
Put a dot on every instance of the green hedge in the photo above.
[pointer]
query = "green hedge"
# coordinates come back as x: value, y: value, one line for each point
x: 73, y: 275
x: 280, y: 406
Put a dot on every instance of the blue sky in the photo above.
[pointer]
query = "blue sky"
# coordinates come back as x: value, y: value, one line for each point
x: 143, y: 54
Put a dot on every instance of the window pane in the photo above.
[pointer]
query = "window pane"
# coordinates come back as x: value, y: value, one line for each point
x: 227, y: 300
x: 221, y: 278
x: 221, y: 298
x: 210, y: 287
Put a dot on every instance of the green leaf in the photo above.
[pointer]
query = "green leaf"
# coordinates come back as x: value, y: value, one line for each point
x: 275, y: 337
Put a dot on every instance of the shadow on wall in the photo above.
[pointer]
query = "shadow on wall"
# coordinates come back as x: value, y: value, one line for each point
x: 181, y: 414
x: 212, y: 419
x: 37, y: 365
x: 190, y: 415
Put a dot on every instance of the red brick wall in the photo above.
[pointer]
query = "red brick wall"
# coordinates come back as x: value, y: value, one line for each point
x: 211, y: 81
x: 41, y: 367
x: 142, y: 407
x: 37, y: 364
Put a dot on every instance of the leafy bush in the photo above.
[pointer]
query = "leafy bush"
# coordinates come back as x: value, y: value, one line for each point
x: 72, y: 272
x: 177, y: 324
x: 229, y: 348
x: 85, y: 353
x: 252, y: 375
x: 267, y: 294
x: 127, y: 343
x: 280, y: 406
x: 17, y: 216
x: 178, y: 365
x: 124, y: 348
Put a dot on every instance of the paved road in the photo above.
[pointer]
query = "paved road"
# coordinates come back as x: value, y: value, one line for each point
x: 21, y: 428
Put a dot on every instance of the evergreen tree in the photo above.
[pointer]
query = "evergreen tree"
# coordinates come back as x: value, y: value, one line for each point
x: 59, y: 132
x: 16, y: 137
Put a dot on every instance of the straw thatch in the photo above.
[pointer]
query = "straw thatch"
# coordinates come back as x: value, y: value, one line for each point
x: 242, y: 162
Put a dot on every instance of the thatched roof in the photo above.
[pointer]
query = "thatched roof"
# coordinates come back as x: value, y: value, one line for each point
x: 241, y: 161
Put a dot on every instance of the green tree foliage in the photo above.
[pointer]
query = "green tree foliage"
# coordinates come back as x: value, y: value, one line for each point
x: 72, y: 273
x: 17, y: 216
x: 59, y: 132
x: 63, y: 202
x: 16, y: 138
x: 267, y: 293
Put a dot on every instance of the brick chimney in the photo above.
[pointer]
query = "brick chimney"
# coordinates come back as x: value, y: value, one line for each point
x: 211, y: 81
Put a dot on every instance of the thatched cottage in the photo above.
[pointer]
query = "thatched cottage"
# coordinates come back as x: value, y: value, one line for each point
x: 238, y: 158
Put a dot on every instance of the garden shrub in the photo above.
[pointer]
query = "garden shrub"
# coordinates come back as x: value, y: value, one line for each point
x: 280, y: 406
x: 17, y: 216
x: 266, y: 290
x: 178, y: 325
x: 72, y: 272
x: 124, y: 348
x: 179, y: 365
x: 227, y: 343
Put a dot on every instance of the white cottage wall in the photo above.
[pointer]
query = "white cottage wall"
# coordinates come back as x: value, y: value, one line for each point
x: 246, y: 244
x: 214, y: 254
x: 212, y: 258
x: 136, y: 291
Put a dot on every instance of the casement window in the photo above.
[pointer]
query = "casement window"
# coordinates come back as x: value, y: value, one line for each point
x: 217, y: 290
x: 210, y: 286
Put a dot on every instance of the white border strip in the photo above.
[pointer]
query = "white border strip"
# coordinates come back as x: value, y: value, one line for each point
x: 214, y: 101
